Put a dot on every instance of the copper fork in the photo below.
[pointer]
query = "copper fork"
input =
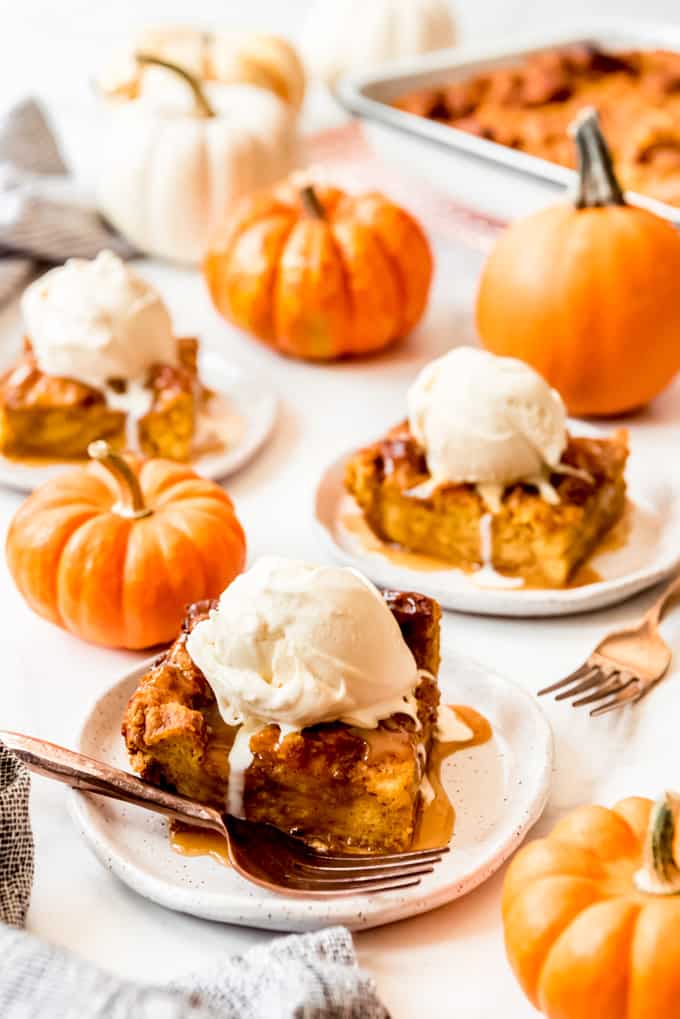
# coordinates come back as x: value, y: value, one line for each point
x: 624, y: 666
x: 258, y: 852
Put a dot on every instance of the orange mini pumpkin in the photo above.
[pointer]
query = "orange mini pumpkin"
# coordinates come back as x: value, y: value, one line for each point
x: 319, y: 274
x: 116, y: 550
x: 587, y: 292
x: 592, y: 914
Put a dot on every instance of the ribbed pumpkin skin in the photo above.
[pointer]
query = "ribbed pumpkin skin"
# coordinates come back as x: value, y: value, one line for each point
x: 121, y: 582
x: 583, y: 942
x: 589, y: 298
x: 350, y: 282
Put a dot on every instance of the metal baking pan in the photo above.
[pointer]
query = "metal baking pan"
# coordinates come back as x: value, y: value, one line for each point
x: 491, y: 177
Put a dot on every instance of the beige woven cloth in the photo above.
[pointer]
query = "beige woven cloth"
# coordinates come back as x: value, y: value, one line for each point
x: 312, y: 976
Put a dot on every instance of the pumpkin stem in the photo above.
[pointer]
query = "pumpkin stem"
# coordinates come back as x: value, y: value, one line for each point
x: 131, y: 503
x: 310, y: 202
x: 203, y: 106
x: 660, y: 873
x: 598, y: 184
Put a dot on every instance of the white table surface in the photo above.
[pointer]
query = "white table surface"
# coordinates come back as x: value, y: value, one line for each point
x: 450, y: 961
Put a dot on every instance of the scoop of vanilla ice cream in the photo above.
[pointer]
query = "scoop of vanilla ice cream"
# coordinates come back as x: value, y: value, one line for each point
x: 97, y: 320
x: 485, y: 419
x: 298, y: 644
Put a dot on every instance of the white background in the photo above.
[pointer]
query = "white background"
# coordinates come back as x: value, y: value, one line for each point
x: 445, y: 963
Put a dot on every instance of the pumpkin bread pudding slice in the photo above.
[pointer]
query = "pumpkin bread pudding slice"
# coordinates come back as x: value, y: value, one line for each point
x: 57, y: 418
x: 542, y: 542
x: 332, y: 784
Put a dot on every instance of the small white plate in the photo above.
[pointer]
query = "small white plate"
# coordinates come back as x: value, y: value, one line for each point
x: 254, y: 412
x: 651, y: 553
x: 498, y: 790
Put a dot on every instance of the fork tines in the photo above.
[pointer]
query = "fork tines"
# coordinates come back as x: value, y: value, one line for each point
x: 291, y: 865
x: 613, y: 686
x: 363, y: 873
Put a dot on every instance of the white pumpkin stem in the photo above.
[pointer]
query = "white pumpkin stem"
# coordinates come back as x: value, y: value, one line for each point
x: 310, y: 202
x: 598, y: 184
x: 203, y: 106
x: 660, y: 873
x: 131, y: 504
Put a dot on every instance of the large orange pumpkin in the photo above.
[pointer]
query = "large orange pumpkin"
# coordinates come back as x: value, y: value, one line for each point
x: 319, y: 274
x: 587, y: 292
x: 114, y: 551
x: 592, y: 914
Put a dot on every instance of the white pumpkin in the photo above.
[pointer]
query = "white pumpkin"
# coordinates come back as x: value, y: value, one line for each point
x: 343, y: 36
x: 174, y: 164
x: 252, y: 58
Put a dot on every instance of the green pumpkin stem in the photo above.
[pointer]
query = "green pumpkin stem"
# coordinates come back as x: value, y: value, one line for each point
x: 203, y: 106
x: 131, y: 503
x: 660, y: 873
x: 597, y: 185
x: 310, y: 203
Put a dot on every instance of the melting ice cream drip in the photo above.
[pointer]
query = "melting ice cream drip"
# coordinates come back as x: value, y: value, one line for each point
x: 487, y: 575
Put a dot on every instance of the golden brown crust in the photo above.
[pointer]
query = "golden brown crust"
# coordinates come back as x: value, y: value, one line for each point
x: 330, y: 783
x: 530, y: 105
x: 43, y: 415
x: 531, y: 537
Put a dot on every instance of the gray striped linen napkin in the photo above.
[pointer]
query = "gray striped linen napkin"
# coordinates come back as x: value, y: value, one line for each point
x: 311, y: 976
x: 42, y: 218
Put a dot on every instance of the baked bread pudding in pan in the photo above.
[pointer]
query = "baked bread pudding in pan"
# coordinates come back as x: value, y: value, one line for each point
x: 344, y: 784
x: 484, y: 474
x: 530, y: 105
x: 100, y: 361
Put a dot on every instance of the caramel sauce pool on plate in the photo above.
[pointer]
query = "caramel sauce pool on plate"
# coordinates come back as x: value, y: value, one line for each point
x: 189, y: 841
x: 436, y: 820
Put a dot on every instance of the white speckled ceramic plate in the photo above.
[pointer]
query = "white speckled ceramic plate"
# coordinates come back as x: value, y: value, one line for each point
x: 651, y: 552
x: 254, y: 412
x: 498, y: 789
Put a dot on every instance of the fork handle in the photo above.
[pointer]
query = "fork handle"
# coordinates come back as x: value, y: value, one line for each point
x: 653, y: 614
x: 92, y: 776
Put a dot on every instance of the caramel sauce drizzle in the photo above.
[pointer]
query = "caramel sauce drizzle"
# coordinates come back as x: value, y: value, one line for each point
x: 382, y: 743
x: 436, y: 820
x: 189, y: 841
